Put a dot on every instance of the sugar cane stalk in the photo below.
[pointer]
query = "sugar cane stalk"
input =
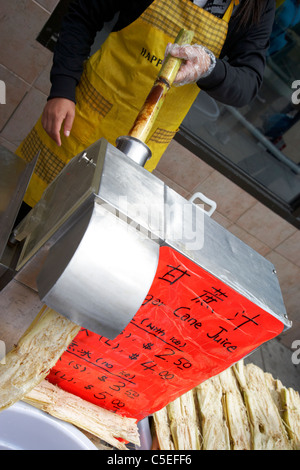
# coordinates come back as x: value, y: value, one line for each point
x: 105, y: 424
x: 37, y: 351
x: 154, y: 101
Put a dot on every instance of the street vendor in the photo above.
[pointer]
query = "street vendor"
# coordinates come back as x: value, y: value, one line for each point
x: 101, y: 95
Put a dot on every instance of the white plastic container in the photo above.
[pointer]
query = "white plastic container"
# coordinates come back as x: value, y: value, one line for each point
x: 23, y: 427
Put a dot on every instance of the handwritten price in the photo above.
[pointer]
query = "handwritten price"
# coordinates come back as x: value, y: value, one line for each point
x: 181, y: 363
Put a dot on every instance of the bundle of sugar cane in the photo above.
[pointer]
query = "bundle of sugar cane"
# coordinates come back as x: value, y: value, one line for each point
x: 267, y: 428
x: 38, y: 350
x: 235, y: 411
x: 215, y: 433
x: 102, y: 423
x: 241, y: 408
x: 193, y: 421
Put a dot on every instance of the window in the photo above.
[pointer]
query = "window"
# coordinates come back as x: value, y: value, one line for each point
x: 258, y: 146
x: 49, y: 35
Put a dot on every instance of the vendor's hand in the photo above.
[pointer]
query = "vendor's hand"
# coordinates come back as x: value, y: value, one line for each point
x: 198, y: 62
x: 57, y: 111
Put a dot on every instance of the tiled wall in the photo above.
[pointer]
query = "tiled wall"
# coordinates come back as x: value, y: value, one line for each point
x: 25, y: 66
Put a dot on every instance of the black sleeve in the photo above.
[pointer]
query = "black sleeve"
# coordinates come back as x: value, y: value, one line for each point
x: 79, y: 28
x: 237, y: 78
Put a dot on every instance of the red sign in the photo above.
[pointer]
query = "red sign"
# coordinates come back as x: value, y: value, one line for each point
x: 191, y: 326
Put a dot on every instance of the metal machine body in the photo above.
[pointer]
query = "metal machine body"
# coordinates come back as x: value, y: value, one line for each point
x: 103, y: 221
x: 15, y: 175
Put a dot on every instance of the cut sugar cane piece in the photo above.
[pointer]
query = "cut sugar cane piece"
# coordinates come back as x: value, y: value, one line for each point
x: 267, y: 429
x: 214, y: 430
x: 235, y: 411
x: 177, y: 425
x: 188, y: 409
x: 291, y: 415
x: 38, y: 350
x: 154, y: 101
x: 171, y: 65
x: 162, y: 429
x: 102, y: 423
x: 184, y: 422
x: 275, y: 386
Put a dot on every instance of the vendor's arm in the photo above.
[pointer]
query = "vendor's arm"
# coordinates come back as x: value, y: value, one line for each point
x: 236, y: 81
x: 80, y: 26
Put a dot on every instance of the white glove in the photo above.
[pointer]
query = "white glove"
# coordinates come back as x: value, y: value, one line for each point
x: 198, y: 62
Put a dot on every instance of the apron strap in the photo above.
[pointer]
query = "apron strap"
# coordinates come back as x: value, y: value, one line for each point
x: 228, y: 12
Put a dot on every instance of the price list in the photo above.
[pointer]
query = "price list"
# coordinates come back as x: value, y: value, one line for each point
x: 191, y: 326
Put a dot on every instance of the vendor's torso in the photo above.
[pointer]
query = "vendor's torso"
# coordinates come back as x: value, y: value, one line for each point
x: 121, y: 74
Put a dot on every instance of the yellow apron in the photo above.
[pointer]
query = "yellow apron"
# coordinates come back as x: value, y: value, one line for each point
x: 115, y: 83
